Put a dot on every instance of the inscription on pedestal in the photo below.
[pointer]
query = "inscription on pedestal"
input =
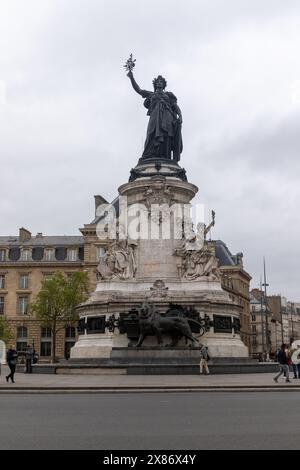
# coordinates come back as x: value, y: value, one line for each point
x: 96, y: 325
x: 222, y: 324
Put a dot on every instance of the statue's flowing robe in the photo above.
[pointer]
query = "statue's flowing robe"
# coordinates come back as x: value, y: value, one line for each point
x: 164, y: 130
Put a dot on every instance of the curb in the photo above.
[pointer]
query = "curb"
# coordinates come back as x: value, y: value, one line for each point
x: 154, y: 389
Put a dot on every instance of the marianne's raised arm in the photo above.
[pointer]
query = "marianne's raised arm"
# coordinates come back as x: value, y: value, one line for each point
x: 143, y: 93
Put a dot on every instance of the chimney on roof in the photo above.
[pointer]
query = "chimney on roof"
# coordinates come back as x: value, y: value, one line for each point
x: 98, y: 201
x: 24, y: 235
x: 257, y: 293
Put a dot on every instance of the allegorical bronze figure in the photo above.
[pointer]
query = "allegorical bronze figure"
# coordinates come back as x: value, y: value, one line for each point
x: 164, y: 140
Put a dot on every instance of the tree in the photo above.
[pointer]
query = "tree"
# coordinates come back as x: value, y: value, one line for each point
x: 55, y: 304
x: 5, y: 331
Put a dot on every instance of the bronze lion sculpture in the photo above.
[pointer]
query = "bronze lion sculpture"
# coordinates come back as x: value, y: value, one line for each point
x: 153, y: 323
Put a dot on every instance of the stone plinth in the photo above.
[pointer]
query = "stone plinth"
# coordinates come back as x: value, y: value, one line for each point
x: 158, y: 273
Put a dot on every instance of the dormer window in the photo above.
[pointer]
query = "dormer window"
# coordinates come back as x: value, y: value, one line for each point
x: 72, y: 254
x: 50, y: 254
x: 25, y: 255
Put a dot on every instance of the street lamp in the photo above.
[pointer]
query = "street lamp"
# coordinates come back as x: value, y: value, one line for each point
x: 265, y: 285
x: 262, y: 319
x: 281, y: 318
x: 292, y: 311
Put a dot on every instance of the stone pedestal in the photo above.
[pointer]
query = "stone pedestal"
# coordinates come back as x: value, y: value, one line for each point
x: 115, y: 297
x: 158, y: 274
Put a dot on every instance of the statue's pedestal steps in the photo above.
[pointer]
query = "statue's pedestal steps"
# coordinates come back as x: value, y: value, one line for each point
x: 155, y: 361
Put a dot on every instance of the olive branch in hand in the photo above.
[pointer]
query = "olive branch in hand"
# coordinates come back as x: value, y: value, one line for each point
x: 130, y: 64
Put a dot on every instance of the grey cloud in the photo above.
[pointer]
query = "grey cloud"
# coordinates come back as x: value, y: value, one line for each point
x: 268, y: 146
x: 72, y: 127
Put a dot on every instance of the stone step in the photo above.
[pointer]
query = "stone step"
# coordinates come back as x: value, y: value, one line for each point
x: 153, y: 369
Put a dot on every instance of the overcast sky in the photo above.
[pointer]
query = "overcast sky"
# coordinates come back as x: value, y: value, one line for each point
x: 71, y: 126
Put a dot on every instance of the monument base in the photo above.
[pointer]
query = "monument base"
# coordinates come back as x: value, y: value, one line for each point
x: 113, y: 297
x: 168, y: 268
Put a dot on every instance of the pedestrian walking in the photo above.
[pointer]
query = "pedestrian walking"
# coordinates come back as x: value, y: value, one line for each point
x: 11, y: 358
x: 295, y: 357
x: 296, y: 368
x: 204, y: 358
x: 29, y: 359
x: 283, y: 359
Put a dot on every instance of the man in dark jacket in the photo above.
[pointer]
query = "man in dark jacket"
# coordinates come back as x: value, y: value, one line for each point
x: 11, y: 358
x: 283, y: 363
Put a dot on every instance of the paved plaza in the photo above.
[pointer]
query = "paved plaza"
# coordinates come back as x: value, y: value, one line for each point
x: 52, y: 382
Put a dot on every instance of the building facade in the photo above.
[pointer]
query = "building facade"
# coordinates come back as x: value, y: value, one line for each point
x: 293, y: 314
x: 259, y: 325
x: 25, y: 261
x: 282, y: 322
x: 236, y: 281
x: 277, y: 306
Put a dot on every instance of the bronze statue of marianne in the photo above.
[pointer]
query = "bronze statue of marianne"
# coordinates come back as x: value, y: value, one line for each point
x: 164, y: 138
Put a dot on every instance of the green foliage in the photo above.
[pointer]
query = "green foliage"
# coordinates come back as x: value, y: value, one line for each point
x: 55, y: 304
x: 5, y: 331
